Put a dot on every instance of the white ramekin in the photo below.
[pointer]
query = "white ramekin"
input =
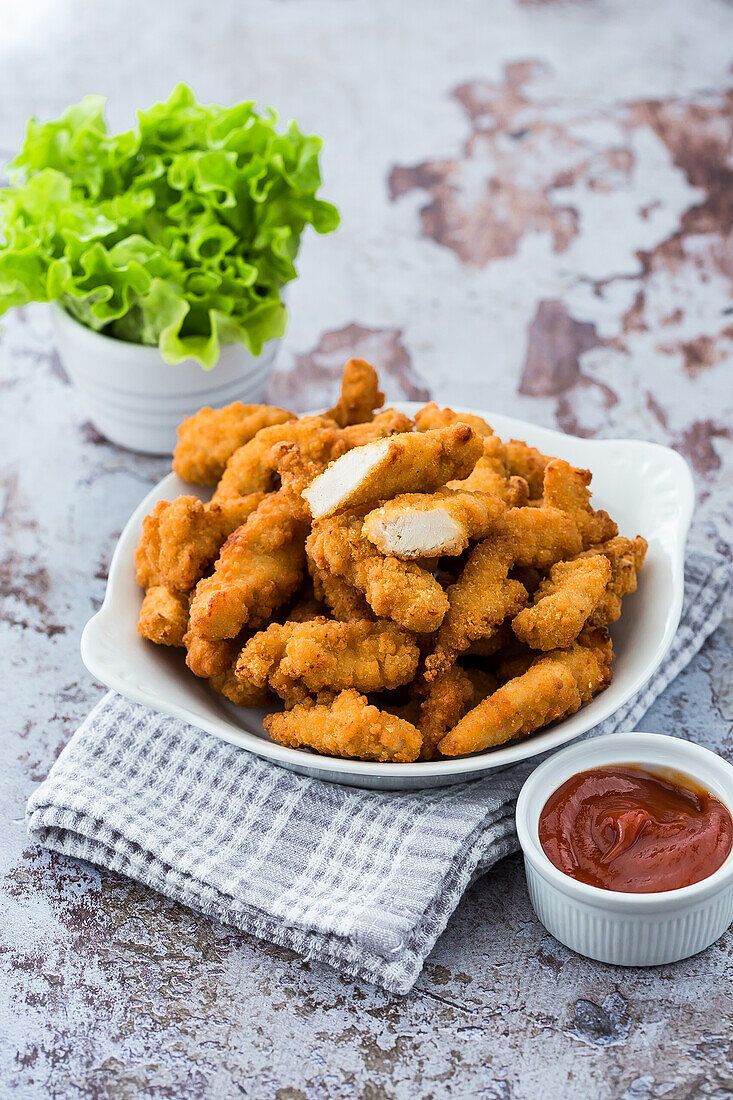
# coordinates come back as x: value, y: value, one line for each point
x: 136, y: 399
x: 614, y: 927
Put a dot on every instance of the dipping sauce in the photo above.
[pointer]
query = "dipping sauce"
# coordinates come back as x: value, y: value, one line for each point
x: 625, y: 828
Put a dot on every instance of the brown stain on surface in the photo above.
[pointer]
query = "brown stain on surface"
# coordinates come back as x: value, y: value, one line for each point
x: 556, y: 342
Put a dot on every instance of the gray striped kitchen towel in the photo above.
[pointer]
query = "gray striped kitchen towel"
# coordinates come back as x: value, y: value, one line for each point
x: 363, y: 880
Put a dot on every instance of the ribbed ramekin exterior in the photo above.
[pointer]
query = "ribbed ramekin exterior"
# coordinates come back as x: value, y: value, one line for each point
x: 625, y: 938
x: 137, y: 400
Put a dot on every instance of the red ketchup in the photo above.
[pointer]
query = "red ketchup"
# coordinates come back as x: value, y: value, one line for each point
x: 628, y: 829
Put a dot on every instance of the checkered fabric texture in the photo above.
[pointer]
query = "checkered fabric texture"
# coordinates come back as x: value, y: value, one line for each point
x: 363, y: 880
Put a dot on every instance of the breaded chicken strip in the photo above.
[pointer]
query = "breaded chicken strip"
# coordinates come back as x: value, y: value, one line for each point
x: 448, y: 698
x: 207, y: 440
x: 480, y: 600
x: 253, y: 468
x: 401, y: 464
x: 527, y: 462
x: 259, y: 568
x: 431, y: 416
x: 341, y: 598
x: 563, y: 603
x: 205, y: 657
x: 491, y: 475
x: 297, y: 659
x: 181, y: 538
x: 163, y: 616
x: 360, y: 394
x: 348, y: 727
x: 626, y: 557
x: 238, y: 691
x: 545, y: 692
x: 418, y: 525
x: 566, y: 487
x: 386, y: 423
x: 394, y: 589
x: 542, y: 536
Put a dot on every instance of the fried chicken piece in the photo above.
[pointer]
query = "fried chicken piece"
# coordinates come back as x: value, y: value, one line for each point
x: 527, y: 575
x: 207, y: 658
x: 253, y: 467
x: 207, y: 440
x: 589, y: 660
x: 491, y: 475
x: 566, y: 487
x: 394, y: 589
x: 400, y: 464
x: 238, y: 691
x: 488, y: 647
x: 448, y: 698
x: 527, y: 462
x: 163, y: 616
x: 563, y: 603
x: 259, y: 568
x: 480, y: 600
x: 348, y: 727
x: 431, y: 416
x: 360, y: 394
x: 389, y: 422
x: 416, y: 525
x: 542, y: 536
x: 298, y: 659
x: 626, y: 557
x: 181, y: 538
x: 545, y: 692
x: 341, y: 598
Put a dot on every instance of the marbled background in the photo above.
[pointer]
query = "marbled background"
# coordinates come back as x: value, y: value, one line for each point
x: 537, y: 205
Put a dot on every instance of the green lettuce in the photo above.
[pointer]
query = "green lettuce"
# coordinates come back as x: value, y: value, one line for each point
x: 180, y: 232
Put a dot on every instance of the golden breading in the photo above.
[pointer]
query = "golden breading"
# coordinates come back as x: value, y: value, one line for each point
x: 431, y: 416
x: 207, y: 440
x: 545, y: 692
x: 341, y: 598
x: 181, y: 538
x: 394, y: 589
x: 563, y: 603
x: 348, y: 727
x: 360, y: 394
x: 480, y: 600
x: 400, y: 464
x: 253, y: 468
x: 491, y: 475
x: 566, y: 487
x: 542, y: 536
x: 163, y: 616
x: 238, y: 691
x: 386, y: 423
x: 527, y: 462
x: 298, y: 659
x: 259, y: 568
x: 416, y: 525
x: 626, y: 557
x: 448, y: 698
x: 207, y: 658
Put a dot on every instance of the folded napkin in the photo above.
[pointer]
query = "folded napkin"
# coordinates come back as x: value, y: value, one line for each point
x: 363, y: 880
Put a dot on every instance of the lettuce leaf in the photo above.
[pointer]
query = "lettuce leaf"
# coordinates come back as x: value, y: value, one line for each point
x: 180, y: 232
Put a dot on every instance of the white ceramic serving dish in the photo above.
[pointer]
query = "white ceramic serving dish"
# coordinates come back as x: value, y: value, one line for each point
x: 136, y: 399
x: 614, y: 927
x: 646, y: 488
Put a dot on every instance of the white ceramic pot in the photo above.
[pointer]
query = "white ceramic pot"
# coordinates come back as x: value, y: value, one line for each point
x: 607, y: 925
x: 136, y: 399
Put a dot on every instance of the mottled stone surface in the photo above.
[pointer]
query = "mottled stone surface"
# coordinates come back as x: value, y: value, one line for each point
x: 538, y: 218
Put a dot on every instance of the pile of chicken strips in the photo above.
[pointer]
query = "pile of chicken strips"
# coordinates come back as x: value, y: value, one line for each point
x: 408, y: 589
